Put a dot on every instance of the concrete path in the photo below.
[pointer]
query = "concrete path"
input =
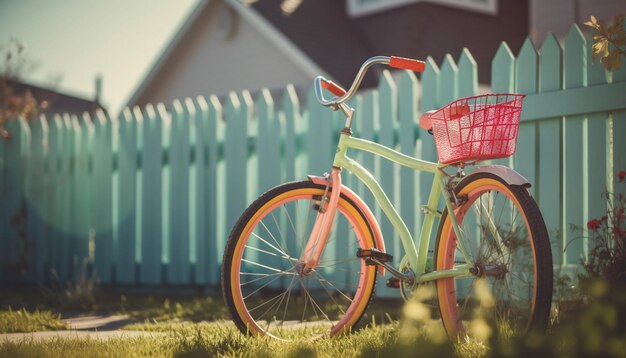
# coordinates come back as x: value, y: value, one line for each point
x: 99, y: 323
x: 84, y: 327
x: 50, y: 335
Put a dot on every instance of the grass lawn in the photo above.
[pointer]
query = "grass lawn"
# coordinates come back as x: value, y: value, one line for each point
x: 14, y: 321
x: 200, y: 326
x: 223, y: 339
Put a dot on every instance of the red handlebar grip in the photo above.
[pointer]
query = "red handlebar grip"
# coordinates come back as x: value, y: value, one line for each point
x: 333, y: 88
x: 407, y: 64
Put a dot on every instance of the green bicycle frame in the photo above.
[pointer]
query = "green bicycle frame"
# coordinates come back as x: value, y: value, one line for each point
x: 416, y: 256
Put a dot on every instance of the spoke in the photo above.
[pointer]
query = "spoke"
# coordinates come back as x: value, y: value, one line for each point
x: 331, y: 296
x: 266, y: 302
x: 260, y: 288
x: 513, y: 294
x: 321, y: 279
x: 262, y: 278
x: 293, y: 227
x: 273, y: 238
x: 277, y: 304
x: 270, y: 245
x: 492, y: 227
x: 267, y: 267
x: 334, y: 267
x: 468, y: 296
x: 306, y: 300
x: 288, y: 297
x: 271, y: 253
x: 306, y: 292
x: 283, y: 239
x: 519, y: 278
x: 343, y: 282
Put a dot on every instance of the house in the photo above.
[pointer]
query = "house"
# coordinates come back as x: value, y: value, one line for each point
x: 224, y: 46
x: 51, y: 101
x: 230, y: 45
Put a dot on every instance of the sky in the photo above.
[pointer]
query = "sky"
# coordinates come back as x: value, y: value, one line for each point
x: 77, y: 40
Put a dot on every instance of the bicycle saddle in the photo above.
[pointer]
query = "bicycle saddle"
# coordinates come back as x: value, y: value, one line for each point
x: 426, y: 122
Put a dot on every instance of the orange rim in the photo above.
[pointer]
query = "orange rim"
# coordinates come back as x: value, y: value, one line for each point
x: 446, y: 290
x: 362, y: 233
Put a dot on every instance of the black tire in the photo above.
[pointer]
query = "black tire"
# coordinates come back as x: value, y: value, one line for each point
x: 498, y: 256
x: 276, y: 257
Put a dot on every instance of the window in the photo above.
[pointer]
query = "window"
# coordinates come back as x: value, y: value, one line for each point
x: 358, y: 8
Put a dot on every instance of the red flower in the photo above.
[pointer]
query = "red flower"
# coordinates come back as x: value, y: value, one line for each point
x: 622, y: 176
x: 593, y: 224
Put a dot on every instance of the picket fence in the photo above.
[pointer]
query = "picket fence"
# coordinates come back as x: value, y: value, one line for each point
x: 149, y: 198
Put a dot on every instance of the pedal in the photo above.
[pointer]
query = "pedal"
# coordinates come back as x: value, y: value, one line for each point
x: 369, y: 254
x: 393, y: 282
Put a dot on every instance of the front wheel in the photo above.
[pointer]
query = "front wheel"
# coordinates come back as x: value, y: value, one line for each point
x: 263, y: 282
x: 507, y: 243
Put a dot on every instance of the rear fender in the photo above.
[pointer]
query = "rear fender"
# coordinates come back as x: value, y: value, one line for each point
x: 509, y: 175
x: 371, y: 219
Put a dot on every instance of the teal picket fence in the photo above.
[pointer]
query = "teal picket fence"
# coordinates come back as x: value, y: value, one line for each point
x: 149, y: 198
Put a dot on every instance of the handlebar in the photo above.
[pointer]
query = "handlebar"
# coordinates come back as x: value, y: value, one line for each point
x: 342, y: 95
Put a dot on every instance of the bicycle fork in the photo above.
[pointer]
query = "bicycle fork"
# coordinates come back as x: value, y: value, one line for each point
x: 323, y: 223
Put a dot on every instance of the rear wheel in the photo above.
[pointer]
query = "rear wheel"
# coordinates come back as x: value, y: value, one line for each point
x: 507, y: 242
x: 262, y: 280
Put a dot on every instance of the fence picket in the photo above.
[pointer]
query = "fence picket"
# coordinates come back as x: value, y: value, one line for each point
x: 503, y: 81
x: 468, y: 74
x: 319, y: 134
x: 550, y: 198
x: 575, y: 160
x: 268, y: 174
x: 178, y: 266
x: 55, y: 164
x: 37, y: 199
x: 236, y: 152
x: 82, y: 194
x: 150, y: 268
x: 15, y: 156
x: 367, y: 124
x: 198, y: 183
x: 126, y: 197
x: 216, y: 171
x: 526, y: 75
x: 449, y: 81
x: 388, y: 172
x: 5, y: 255
x: 291, y: 110
x: 67, y: 260
x: 102, y: 174
x: 619, y: 131
x: 407, y: 113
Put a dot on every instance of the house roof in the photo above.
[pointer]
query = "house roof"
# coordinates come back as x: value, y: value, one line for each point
x: 326, y: 34
x: 322, y: 39
x: 283, y: 43
x: 340, y: 44
x: 55, y: 101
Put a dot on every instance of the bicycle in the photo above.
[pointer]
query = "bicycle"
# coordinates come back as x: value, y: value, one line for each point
x: 303, y: 258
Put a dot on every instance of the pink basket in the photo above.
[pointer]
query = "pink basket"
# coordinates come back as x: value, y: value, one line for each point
x: 477, y: 128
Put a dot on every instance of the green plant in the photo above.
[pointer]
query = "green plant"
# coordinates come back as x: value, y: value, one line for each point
x: 609, y: 42
x: 607, y: 257
x: 13, y: 321
x: 12, y: 105
x: 77, y: 293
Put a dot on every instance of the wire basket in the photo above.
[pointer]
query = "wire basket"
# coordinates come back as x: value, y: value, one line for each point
x: 477, y: 128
